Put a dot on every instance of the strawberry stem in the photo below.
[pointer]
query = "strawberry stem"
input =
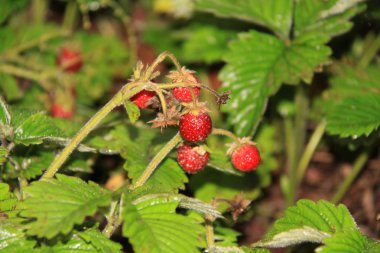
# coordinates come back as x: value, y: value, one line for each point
x: 160, y: 59
x: 157, y: 160
x: 224, y: 132
x: 125, y: 93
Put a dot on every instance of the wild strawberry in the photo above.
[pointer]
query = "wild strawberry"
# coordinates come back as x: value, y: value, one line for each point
x: 69, y: 59
x: 244, y: 155
x: 184, y: 94
x: 192, y: 159
x: 58, y: 111
x: 142, y: 98
x: 195, y: 125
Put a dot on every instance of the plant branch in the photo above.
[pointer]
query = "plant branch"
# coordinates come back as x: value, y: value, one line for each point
x: 369, y: 53
x: 157, y: 160
x: 71, y: 15
x: 125, y: 93
x: 209, y: 232
x: 224, y: 132
x: 356, y: 169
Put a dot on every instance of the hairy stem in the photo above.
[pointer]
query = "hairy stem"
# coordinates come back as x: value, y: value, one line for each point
x: 160, y: 59
x: 290, y: 154
x: 125, y: 93
x: 157, y: 160
x: 224, y: 132
x: 24, y: 73
x: 209, y: 232
x: 356, y: 169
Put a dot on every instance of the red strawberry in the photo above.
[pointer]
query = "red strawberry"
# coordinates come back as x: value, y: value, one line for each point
x: 184, y: 94
x: 195, y: 125
x: 58, y: 111
x: 69, y: 59
x: 141, y: 99
x: 192, y: 159
x: 245, y: 156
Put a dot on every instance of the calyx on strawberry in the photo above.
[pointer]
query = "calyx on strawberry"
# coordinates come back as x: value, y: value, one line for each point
x: 244, y: 155
x: 142, y: 98
x: 195, y: 124
x: 185, y: 94
x: 69, y: 59
x: 192, y: 159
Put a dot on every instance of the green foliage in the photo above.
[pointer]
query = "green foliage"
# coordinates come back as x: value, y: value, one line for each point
x: 355, y: 109
x: 273, y: 14
x: 13, y: 239
x: 349, y: 241
x: 154, y: 226
x: 59, y: 204
x: 9, y: 86
x: 308, y: 221
x: 258, y: 64
x: 7, y: 200
x: 9, y: 6
x: 133, y: 111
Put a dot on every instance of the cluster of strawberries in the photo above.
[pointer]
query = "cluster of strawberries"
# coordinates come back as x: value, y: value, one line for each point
x: 195, y: 125
x: 70, y: 61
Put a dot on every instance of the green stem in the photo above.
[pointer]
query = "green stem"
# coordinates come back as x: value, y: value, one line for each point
x: 298, y: 139
x: 71, y: 15
x: 209, y: 232
x: 32, y: 43
x: 39, y: 10
x: 25, y: 73
x: 224, y: 132
x: 310, y: 149
x: 157, y: 160
x: 356, y: 168
x: 125, y: 93
x: 290, y: 154
x: 369, y: 53
x: 160, y: 59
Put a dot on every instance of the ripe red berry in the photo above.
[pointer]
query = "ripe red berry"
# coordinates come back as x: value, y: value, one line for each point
x: 192, y: 159
x: 246, y: 157
x: 184, y: 94
x: 195, y: 126
x: 58, y: 111
x: 70, y: 60
x: 141, y: 99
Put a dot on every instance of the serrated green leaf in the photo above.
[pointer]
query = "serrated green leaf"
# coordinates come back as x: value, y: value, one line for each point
x: 257, y: 64
x: 33, y: 127
x: 212, y: 184
x: 349, y: 241
x: 355, y: 116
x: 99, y: 241
x: 273, y: 14
x: 3, y: 155
x: 8, y: 200
x: 308, y: 221
x: 330, y: 17
x: 351, y: 104
x: 225, y: 236
x: 13, y: 239
x: 220, y: 161
x: 59, y: 204
x: 153, y: 226
x: 133, y: 111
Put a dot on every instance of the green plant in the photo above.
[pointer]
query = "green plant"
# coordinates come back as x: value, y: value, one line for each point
x: 77, y: 177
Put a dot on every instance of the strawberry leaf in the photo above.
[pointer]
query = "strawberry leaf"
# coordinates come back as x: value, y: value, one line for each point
x: 58, y: 204
x: 308, y: 221
x: 349, y: 241
x: 154, y: 226
x: 273, y: 14
x: 257, y: 64
x: 133, y: 111
x: 352, y: 104
x: 33, y: 127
